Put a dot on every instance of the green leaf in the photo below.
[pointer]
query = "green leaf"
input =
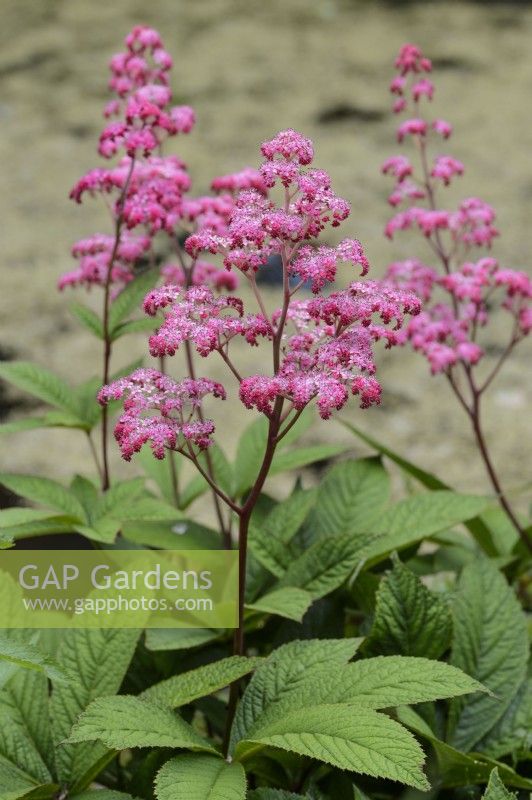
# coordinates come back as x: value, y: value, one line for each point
x: 296, y: 459
x: 11, y: 517
x: 269, y: 541
x: 275, y: 794
x: 188, y: 686
x: 200, y: 777
x: 477, y: 526
x: 87, y: 494
x: 289, y: 602
x: 222, y: 471
x: 284, y: 673
x: 25, y: 737
x: 119, y: 496
x: 409, y: 619
x: 130, y: 298
x: 327, y: 563
x: 496, y: 789
x: 491, y: 644
x: 133, y: 326
x: 359, y: 740
x: 26, y: 424
x: 512, y: 733
x: 147, y: 509
x: 99, y: 658
x: 158, y: 639
x: 351, y: 497
x: 183, y: 535
x: 51, y: 523
x: 307, y: 418
x: 45, y: 491
x: 21, y: 653
x: 419, y: 517
x: 124, y: 721
x: 15, y: 784
x: 159, y: 470
x: 103, y: 794
x: 88, y: 318
x: 40, y: 383
x: 457, y: 769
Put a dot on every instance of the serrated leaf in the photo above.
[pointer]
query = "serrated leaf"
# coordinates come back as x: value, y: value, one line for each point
x: 289, y: 602
x: 183, y: 534
x: 477, y: 526
x: 360, y: 740
x: 52, y: 523
x: 200, y: 777
x: 249, y: 455
x: 409, y: 619
x: 419, y: 517
x: 327, y: 563
x: 15, y: 784
x: 23, y: 654
x: 512, y: 733
x: 496, y: 790
x: 269, y: 541
x: 99, y: 658
x: 87, y: 494
x: 11, y: 517
x: 124, y: 721
x: 490, y: 643
x: 147, y: 509
x: 351, y: 497
x: 130, y: 298
x: 158, y: 639
x: 456, y: 769
x: 103, y: 794
x: 275, y: 794
x: 284, y: 673
x: 121, y: 494
x: 39, y: 382
x: 88, y: 318
x: 45, y: 491
x: 188, y: 686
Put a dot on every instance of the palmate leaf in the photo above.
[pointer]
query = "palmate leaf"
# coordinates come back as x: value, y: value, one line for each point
x: 289, y: 602
x: 456, y: 769
x: 182, y: 689
x: 490, y: 643
x: 39, y: 382
x: 45, y: 491
x: 20, y: 653
x: 496, y: 790
x: 200, y: 777
x: 15, y: 784
x: 269, y: 541
x: 359, y: 740
x: 284, y: 673
x: 419, y: 517
x: 124, y: 721
x: 351, y: 497
x: 99, y: 658
x: 409, y: 619
x: 327, y: 563
x: 130, y: 298
x: 478, y: 526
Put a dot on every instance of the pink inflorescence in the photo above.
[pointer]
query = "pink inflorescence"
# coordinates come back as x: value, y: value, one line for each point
x: 447, y: 330
x: 172, y: 426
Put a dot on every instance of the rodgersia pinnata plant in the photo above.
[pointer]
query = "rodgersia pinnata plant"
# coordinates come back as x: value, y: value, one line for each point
x: 313, y: 696
x: 460, y: 286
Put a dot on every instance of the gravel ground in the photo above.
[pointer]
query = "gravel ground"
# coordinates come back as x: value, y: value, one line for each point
x: 250, y: 69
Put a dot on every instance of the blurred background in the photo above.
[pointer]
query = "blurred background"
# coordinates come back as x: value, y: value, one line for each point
x: 250, y: 69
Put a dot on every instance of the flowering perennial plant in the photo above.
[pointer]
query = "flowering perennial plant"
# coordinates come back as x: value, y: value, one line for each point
x: 460, y: 290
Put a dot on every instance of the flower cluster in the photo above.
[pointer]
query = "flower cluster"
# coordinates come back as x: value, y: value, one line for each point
x: 160, y: 411
x: 447, y: 330
x: 98, y: 253
x: 259, y: 228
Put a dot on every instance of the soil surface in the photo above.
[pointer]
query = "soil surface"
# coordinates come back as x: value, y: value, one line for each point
x: 249, y: 69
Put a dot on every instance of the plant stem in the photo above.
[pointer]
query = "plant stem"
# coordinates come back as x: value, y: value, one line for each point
x: 107, y: 342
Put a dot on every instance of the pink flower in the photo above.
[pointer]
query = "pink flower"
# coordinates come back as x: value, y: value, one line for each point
x: 398, y: 166
x: 171, y: 426
x: 445, y: 168
x: 290, y: 145
x: 247, y: 178
x: 423, y: 88
x: 442, y: 127
x: 411, y: 127
x: 411, y: 59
